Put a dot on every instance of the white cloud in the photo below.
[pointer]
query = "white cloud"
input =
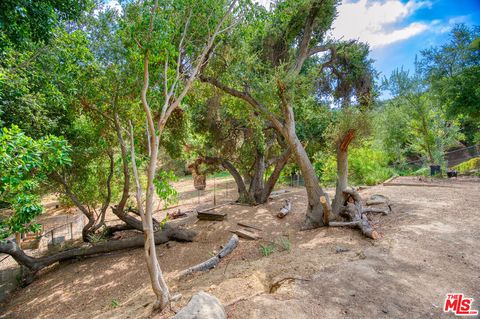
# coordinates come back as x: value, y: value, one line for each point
x: 377, y: 22
x: 115, y: 5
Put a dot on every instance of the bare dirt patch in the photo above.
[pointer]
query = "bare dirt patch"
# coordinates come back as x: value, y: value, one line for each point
x: 430, y: 246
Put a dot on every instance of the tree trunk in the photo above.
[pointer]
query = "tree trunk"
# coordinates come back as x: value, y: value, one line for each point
x: 342, y: 173
x: 119, y: 209
x: 342, y: 181
x: 272, y: 180
x: 35, y: 264
x: 159, y: 285
x: 243, y: 194
x: 314, y: 216
x: 257, y: 183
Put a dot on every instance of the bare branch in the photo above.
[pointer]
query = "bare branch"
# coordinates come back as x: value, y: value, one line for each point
x: 247, y: 98
x: 196, y: 69
x: 138, y: 187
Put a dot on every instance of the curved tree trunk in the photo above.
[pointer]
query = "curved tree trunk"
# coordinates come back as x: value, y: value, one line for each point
x: 243, y: 193
x: 314, y: 216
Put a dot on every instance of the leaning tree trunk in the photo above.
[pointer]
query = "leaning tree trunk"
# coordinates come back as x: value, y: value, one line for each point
x: 243, y: 194
x: 314, y: 216
x: 36, y: 264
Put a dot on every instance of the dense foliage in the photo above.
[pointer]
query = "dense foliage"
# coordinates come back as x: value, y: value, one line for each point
x: 25, y: 165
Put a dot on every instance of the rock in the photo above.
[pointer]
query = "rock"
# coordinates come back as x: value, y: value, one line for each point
x: 202, y: 306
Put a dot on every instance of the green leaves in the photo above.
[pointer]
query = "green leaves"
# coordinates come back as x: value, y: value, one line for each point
x: 163, y: 187
x: 24, y: 165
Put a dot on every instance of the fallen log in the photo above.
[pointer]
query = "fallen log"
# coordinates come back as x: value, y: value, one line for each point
x: 212, y: 262
x: 243, y: 233
x: 287, y: 207
x: 211, y: 216
x: 35, y: 264
x: 249, y: 226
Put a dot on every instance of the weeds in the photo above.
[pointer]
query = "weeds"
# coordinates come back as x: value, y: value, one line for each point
x: 267, y: 250
x: 114, y: 303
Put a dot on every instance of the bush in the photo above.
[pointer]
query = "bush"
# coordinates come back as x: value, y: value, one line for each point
x: 366, y: 166
x: 469, y: 165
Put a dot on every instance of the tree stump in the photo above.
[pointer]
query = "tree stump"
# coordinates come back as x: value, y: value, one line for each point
x: 199, y: 182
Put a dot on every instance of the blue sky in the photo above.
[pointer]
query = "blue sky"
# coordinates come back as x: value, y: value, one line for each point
x: 398, y: 29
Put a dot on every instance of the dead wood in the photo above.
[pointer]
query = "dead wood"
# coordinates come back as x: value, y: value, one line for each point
x: 249, y: 226
x: 326, y: 210
x: 211, y: 216
x: 35, y: 264
x: 356, y: 215
x: 244, y: 233
x: 212, y: 262
x: 287, y: 207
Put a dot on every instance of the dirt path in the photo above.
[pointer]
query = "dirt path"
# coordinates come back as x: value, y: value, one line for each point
x: 430, y: 246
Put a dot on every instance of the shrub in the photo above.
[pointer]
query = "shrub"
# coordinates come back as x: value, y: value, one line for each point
x: 469, y: 165
x: 366, y: 166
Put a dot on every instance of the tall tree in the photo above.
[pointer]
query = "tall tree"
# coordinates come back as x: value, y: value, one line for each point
x: 453, y: 73
x: 174, y: 40
x: 265, y: 64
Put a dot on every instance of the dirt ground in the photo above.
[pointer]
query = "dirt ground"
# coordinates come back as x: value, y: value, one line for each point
x: 429, y: 246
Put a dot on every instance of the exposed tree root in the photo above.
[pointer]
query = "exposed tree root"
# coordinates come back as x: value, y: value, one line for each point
x: 356, y: 214
x: 212, y: 262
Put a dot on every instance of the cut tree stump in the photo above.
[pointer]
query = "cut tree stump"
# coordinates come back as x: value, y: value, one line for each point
x: 287, y: 207
x: 246, y: 234
x: 212, y: 262
x: 211, y: 216
x: 356, y: 215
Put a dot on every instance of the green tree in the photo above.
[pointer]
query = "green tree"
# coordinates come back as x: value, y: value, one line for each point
x: 453, y: 72
x: 25, y: 164
x: 24, y: 22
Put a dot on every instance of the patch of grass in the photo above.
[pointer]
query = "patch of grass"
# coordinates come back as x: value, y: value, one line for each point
x: 97, y: 238
x: 114, y: 303
x: 268, y: 249
x: 285, y: 243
